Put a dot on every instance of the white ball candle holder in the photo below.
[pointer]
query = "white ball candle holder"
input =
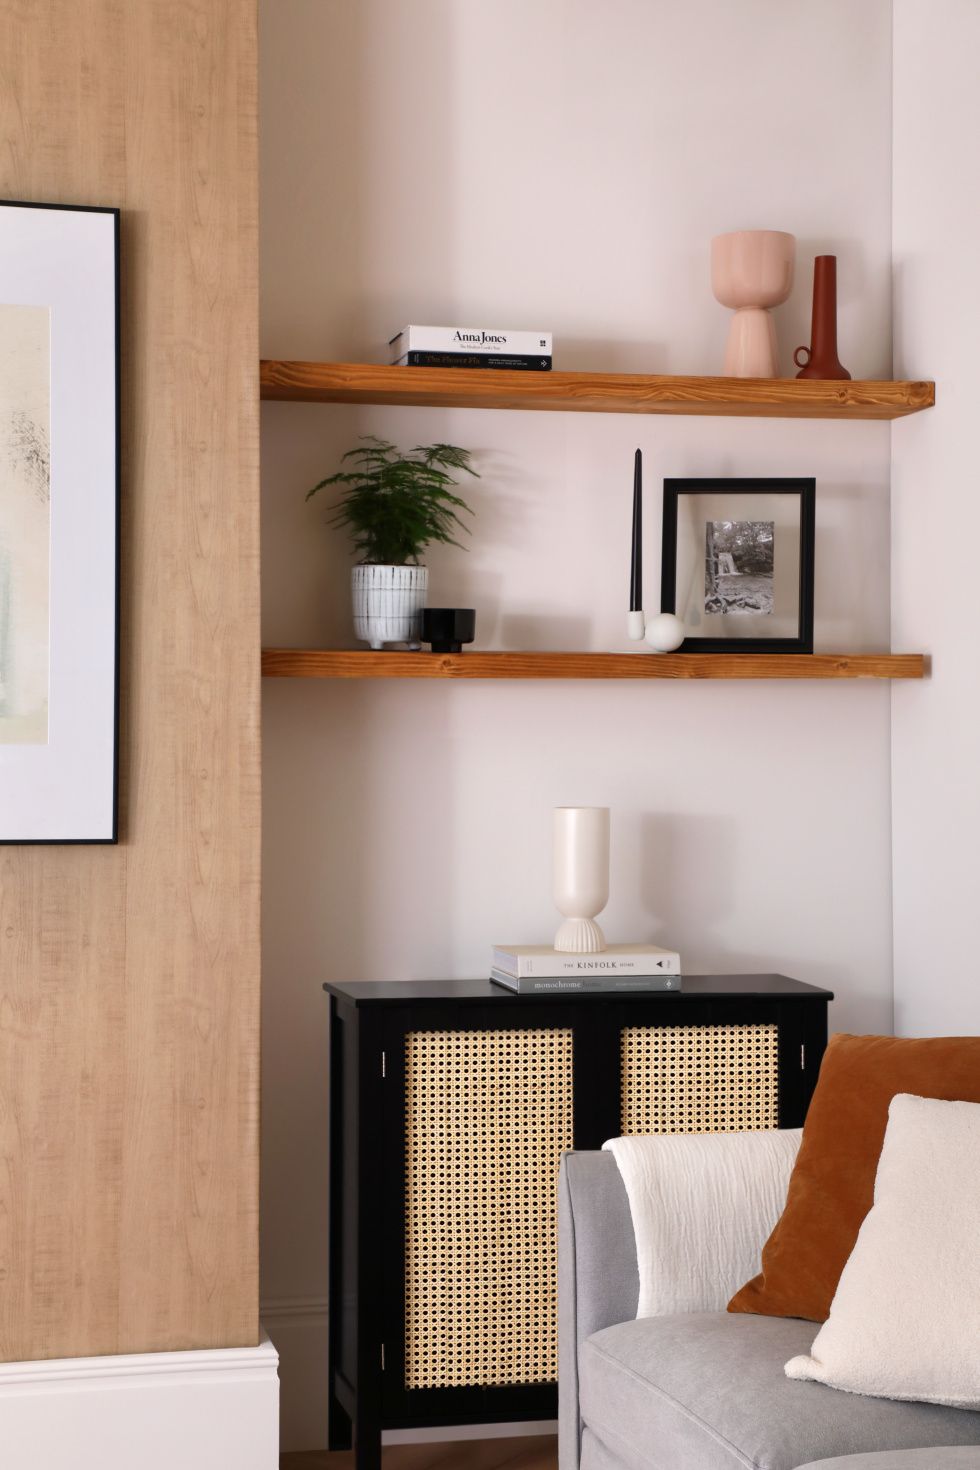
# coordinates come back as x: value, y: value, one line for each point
x: 664, y: 632
x: 581, y: 874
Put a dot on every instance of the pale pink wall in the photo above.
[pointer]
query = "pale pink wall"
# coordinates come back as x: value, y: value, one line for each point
x: 936, y: 785
x: 563, y: 164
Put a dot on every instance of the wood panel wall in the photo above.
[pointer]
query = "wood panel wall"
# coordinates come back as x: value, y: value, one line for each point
x: 129, y: 975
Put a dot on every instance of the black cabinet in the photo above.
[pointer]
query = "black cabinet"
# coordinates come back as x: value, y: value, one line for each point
x: 451, y: 1103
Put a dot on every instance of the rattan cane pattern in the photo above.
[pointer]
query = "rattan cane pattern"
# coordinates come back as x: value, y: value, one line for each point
x: 488, y: 1116
x: 699, y: 1079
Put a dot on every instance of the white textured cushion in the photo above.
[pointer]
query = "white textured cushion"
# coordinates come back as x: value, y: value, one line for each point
x: 702, y: 1206
x: 905, y: 1321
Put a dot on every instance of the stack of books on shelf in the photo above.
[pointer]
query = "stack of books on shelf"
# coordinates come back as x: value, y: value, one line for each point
x: 537, y: 969
x: 472, y: 347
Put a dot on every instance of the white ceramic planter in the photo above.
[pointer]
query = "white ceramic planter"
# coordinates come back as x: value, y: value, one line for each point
x: 388, y: 603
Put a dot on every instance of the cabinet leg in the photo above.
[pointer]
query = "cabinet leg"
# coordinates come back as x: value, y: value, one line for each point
x: 367, y: 1447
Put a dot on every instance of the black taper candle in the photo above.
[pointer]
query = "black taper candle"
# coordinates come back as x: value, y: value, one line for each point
x: 636, y: 560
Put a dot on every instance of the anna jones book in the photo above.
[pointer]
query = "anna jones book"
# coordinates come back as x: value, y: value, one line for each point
x: 540, y: 961
x: 586, y: 985
x: 470, y: 339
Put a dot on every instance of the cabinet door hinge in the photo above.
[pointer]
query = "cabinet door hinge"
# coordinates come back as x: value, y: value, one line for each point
x: 383, y: 1071
x: 803, y: 1058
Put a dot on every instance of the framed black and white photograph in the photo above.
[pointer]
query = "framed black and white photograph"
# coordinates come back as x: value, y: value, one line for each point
x: 59, y: 522
x: 737, y: 564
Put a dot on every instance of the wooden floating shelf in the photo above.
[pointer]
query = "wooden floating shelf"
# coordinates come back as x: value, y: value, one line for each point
x: 797, y: 398
x: 330, y: 663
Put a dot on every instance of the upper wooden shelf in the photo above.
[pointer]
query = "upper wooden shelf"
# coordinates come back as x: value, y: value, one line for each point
x: 337, y: 663
x: 797, y: 398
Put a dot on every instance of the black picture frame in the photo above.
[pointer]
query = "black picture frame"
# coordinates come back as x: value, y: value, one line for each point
x: 74, y: 800
x: 805, y: 491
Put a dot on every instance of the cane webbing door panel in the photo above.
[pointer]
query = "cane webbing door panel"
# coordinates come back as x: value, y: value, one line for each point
x: 488, y: 1115
x: 699, y: 1079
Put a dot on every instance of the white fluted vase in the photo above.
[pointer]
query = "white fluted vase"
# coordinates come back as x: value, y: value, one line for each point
x: 388, y: 603
x: 581, y: 876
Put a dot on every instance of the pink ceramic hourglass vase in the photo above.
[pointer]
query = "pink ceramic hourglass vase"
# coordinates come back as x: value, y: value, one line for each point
x: 751, y: 271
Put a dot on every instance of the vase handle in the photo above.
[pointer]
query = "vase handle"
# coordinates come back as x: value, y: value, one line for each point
x: 806, y: 359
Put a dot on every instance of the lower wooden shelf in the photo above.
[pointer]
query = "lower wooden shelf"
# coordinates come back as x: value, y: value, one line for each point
x: 337, y: 663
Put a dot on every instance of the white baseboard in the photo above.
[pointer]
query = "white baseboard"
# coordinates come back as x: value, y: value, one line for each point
x: 160, y: 1411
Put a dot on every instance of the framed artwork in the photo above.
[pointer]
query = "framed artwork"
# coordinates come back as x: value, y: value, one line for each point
x: 738, y: 564
x: 59, y: 522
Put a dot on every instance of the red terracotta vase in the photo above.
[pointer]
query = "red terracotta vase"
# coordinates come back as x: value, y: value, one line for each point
x: 820, y: 359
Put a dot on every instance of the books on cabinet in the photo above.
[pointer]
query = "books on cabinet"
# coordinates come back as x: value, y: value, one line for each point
x: 585, y: 985
x: 530, y: 967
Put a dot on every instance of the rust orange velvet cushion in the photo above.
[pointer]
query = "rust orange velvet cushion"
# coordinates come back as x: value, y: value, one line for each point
x: 831, y: 1188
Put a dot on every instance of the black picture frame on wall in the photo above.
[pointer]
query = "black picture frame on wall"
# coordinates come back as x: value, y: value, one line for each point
x: 60, y: 541
x: 737, y: 563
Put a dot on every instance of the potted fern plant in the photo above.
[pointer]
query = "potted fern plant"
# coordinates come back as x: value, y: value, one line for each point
x: 394, y: 505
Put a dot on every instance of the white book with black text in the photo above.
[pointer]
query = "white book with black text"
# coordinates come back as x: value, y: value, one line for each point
x: 490, y: 340
x: 527, y: 960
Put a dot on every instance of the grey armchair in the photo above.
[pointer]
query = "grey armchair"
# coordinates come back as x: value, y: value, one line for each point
x: 706, y: 1390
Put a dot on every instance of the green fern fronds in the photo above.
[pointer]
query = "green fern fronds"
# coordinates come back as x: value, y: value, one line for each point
x: 395, y: 505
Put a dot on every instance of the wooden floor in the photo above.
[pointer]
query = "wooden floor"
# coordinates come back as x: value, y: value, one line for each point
x: 539, y: 1453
